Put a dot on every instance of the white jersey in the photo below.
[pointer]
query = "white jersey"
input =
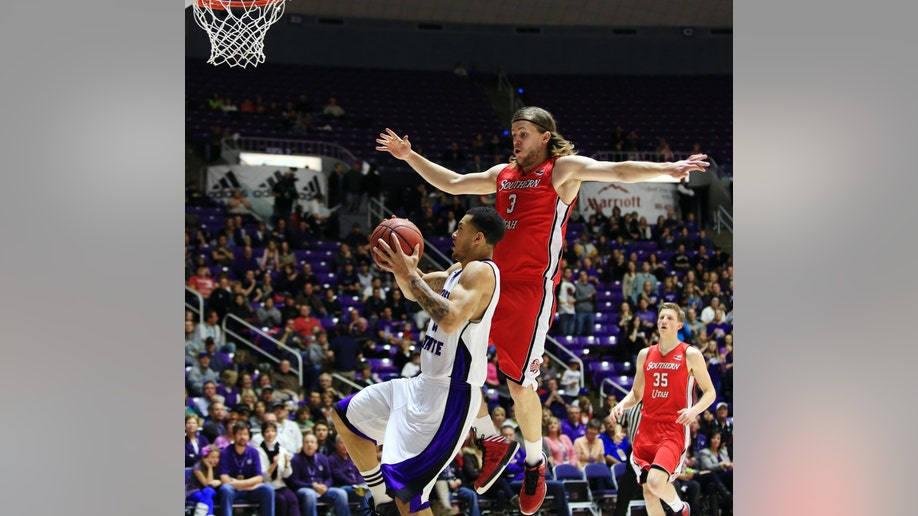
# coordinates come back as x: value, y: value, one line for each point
x: 462, y: 355
x: 422, y: 421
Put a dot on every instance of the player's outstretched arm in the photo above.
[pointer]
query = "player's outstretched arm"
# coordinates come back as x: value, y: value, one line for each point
x: 581, y: 168
x: 440, y: 177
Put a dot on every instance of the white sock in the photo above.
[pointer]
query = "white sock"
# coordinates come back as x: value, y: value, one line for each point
x: 376, y: 484
x: 676, y: 504
x: 534, y: 452
x: 484, y: 427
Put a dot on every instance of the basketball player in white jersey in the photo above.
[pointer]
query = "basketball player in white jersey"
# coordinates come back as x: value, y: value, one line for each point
x: 422, y: 421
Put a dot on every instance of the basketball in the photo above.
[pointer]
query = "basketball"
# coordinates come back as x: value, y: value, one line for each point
x: 408, y: 235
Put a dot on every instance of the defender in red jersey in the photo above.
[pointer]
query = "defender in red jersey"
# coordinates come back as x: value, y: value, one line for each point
x: 535, y: 194
x: 665, y: 382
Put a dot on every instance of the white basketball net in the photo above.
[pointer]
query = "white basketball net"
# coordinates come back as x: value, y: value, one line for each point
x: 237, y: 28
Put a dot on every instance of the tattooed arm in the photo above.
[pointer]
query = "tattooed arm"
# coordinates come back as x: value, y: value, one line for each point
x: 467, y: 300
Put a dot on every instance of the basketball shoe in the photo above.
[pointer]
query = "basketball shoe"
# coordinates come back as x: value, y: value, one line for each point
x: 496, y: 452
x: 532, y: 494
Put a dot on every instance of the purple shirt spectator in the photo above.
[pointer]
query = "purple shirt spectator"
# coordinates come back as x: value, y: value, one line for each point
x: 307, y: 470
x: 573, y: 431
x: 248, y: 464
x: 191, y: 455
x: 343, y: 470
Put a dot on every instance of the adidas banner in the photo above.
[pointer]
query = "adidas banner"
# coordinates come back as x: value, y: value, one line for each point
x: 649, y: 200
x: 256, y: 183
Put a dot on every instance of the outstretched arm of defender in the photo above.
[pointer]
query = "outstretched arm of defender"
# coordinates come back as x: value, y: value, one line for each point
x: 438, y: 176
x: 582, y: 168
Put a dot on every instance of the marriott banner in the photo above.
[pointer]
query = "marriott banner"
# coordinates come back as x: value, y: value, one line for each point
x: 649, y: 200
x: 256, y: 183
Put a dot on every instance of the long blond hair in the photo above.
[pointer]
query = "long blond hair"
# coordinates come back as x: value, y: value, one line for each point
x: 557, y: 145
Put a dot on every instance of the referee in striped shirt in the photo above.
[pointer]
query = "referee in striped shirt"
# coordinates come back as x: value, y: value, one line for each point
x: 628, y: 487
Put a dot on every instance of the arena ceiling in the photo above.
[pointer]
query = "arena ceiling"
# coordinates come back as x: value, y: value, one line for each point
x: 611, y: 13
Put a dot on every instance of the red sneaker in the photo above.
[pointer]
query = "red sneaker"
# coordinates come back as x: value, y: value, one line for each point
x: 686, y: 510
x: 496, y: 452
x: 532, y: 494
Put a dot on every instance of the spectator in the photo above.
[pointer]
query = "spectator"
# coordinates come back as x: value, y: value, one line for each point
x: 287, y: 383
x: 413, y: 368
x: 566, y: 299
x: 646, y: 274
x: 285, y: 194
x: 306, y: 325
x: 275, y: 463
x: 715, y: 459
x: 558, y: 446
x: 707, y: 315
x: 644, y: 233
x: 285, y: 253
x: 222, y: 254
x: 238, y: 204
x: 571, y: 380
x: 288, y: 433
x: 573, y: 427
x: 322, y: 431
x: 345, y: 350
x: 346, y: 476
x: 200, y: 374
x: 553, y: 400
x: 201, y: 484
x: 331, y: 305
x: 348, y: 282
x: 193, y: 344
x: 202, y: 283
x: 270, y: 258
x: 228, y: 388
x: 325, y: 383
x: 332, y: 109
x: 303, y: 420
x: 226, y: 437
x: 241, y: 308
x: 317, y: 354
x: 649, y: 296
x: 312, y: 480
x: 268, y: 315
x: 354, y: 188
x: 210, y: 327
x: 628, y: 280
x: 217, y: 420
x: 724, y: 425
x: 615, y: 442
x: 691, y: 298
x: 221, y: 297
x: 584, y: 304
x: 448, y: 483
x: 374, y: 303
x: 241, y: 476
x: 514, y: 473
x: 589, y: 447
x: 194, y: 442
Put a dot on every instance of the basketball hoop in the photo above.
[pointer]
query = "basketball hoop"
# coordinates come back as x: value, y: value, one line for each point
x: 237, y: 28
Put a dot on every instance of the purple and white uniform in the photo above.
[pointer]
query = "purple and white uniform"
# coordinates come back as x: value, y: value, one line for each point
x: 423, y: 421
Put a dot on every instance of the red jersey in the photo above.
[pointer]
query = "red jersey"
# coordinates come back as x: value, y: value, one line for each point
x: 203, y: 284
x: 536, y: 221
x: 668, y: 386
